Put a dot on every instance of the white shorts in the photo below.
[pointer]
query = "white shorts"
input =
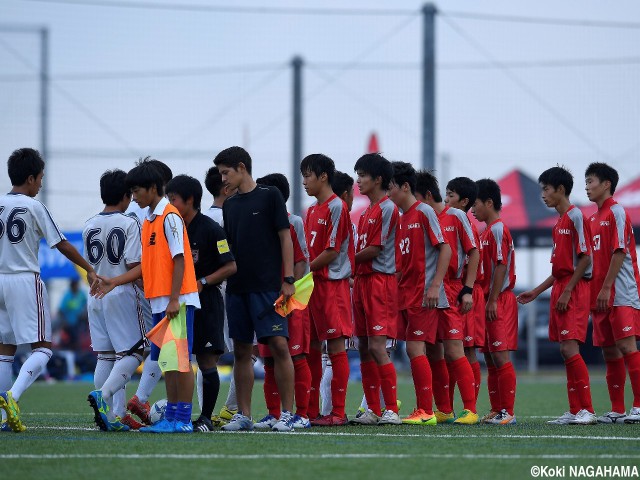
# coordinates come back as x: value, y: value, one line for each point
x: 116, y: 321
x: 353, y: 343
x: 24, y: 309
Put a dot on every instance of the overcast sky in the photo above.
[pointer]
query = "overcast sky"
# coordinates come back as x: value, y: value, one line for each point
x: 183, y: 84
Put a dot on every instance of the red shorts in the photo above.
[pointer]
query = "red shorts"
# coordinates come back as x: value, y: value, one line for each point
x: 299, y: 334
x: 614, y: 324
x: 418, y: 324
x: 330, y: 309
x: 450, y: 320
x: 375, y: 305
x: 571, y: 324
x: 502, y: 333
x: 474, y: 320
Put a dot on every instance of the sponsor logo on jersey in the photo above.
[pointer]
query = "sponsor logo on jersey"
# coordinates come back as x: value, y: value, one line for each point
x: 418, y: 332
x: 485, y: 243
x: 497, y: 343
x: 626, y: 329
x: 152, y: 239
x: 322, y: 221
x: 564, y: 231
x: 413, y: 225
x: 564, y: 332
x: 196, y: 255
x: 468, y: 339
x: 454, y: 331
x: 372, y: 220
x: 295, y: 347
x: 450, y: 228
x: 331, y: 330
x: 377, y: 328
x: 604, y: 223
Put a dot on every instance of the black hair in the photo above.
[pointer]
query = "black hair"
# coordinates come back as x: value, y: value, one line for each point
x: 232, y: 157
x: 213, y: 181
x: 604, y: 172
x: 489, y: 189
x: 23, y: 163
x: 186, y: 187
x: 556, y: 176
x: 277, y: 180
x: 465, y: 188
x: 427, y: 182
x: 404, y: 172
x: 145, y: 175
x: 163, y: 168
x: 342, y: 182
x: 376, y: 165
x: 318, y: 163
x: 113, y: 187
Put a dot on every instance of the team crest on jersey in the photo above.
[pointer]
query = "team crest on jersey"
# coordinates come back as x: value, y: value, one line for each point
x: 372, y: 220
x: 195, y: 254
x: 152, y: 239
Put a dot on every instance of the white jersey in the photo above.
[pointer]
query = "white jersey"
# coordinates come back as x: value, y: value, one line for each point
x: 215, y: 213
x: 111, y: 240
x: 136, y: 211
x: 23, y: 222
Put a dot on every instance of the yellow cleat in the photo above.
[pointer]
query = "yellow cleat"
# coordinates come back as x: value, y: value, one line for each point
x: 13, y: 412
x: 224, y: 417
x: 445, y: 417
x: 420, y: 417
x: 466, y: 417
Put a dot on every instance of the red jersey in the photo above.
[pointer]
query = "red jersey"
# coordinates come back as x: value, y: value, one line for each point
x: 328, y: 226
x: 296, y: 228
x: 418, y: 234
x: 570, y: 240
x: 611, y: 231
x: 457, y: 230
x: 498, y: 249
x: 480, y: 272
x: 377, y: 227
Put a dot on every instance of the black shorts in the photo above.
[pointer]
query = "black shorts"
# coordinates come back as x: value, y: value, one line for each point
x: 249, y: 313
x: 208, y: 324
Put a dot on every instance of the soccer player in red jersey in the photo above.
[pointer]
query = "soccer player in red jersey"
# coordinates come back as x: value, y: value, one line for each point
x: 461, y: 193
x: 330, y: 244
x: 447, y: 357
x: 423, y: 260
x: 571, y: 271
x: 498, y: 258
x: 299, y: 329
x: 615, y: 307
x: 375, y: 289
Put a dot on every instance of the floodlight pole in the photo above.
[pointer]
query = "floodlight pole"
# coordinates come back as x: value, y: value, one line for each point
x: 297, y: 63
x: 429, y: 12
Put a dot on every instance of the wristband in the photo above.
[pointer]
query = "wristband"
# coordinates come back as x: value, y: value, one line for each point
x: 463, y: 292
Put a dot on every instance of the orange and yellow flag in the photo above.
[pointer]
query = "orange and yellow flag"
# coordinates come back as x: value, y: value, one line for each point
x: 171, y: 337
x: 300, y: 299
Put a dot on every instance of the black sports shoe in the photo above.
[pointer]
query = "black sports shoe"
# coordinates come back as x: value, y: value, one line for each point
x: 202, y: 424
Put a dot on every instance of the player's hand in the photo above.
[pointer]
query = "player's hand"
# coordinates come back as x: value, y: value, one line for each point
x: 491, y: 310
x: 92, y: 276
x: 287, y: 291
x: 200, y: 286
x: 101, y: 286
x: 173, y: 309
x: 602, y: 301
x: 526, y: 297
x: 467, y: 303
x: 563, y: 302
x: 430, y: 298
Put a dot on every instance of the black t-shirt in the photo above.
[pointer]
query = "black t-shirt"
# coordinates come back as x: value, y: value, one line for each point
x: 252, y: 221
x: 209, y: 246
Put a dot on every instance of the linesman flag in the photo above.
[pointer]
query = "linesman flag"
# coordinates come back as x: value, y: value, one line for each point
x: 299, y: 300
x: 171, y: 337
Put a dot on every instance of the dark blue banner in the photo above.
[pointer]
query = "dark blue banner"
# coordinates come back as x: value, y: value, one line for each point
x: 55, y: 265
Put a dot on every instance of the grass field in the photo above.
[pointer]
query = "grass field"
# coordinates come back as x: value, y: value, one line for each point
x: 62, y: 442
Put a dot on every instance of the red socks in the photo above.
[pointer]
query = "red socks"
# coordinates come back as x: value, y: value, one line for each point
x: 388, y: 383
x: 477, y: 377
x: 421, y: 372
x: 441, y: 385
x: 339, y: 382
x: 314, y: 360
x: 271, y: 394
x: 302, y: 386
x: 507, y: 387
x: 452, y: 383
x: 632, y: 361
x: 616, y: 376
x: 578, y: 381
x: 371, y: 385
x: 464, y: 377
x: 494, y: 388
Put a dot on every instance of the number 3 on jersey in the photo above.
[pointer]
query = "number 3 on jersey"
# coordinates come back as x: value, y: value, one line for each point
x: 15, y: 226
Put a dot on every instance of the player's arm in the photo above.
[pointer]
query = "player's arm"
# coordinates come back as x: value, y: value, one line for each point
x: 69, y: 251
x: 220, y: 275
x: 499, y: 275
x: 602, y: 301
x: 104, y: 285
x: 466, y: 294
x: 286, y: 246
x: 324, y: 259
x: 432, y: 293
x: 583, y: 263
x: 368, y: 253
x: 299, y: 269
x: 531, y: 295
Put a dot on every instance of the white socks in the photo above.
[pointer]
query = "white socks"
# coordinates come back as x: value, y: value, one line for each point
x: 150, y: 377
x: 103, y: 369
x: 325, y: 385
x: 30, y: 371
x: 124, y: 367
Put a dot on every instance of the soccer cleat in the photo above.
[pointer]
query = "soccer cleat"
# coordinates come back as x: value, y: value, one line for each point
x: 224, y: 417
x: 180, y: 427
x: 364, y: 418
x: 13, y: 412
x: 163, y: 426
x: 466, y: 417
x: 100, y: 410
x: 634, y: 415
x: 503, y: 418
x: 612, y: 417
x: 131, y: 422
x: 565, y: 419
x: 284, y: 423
x: 300, y: 422
x: 445, y: 417
x: 117, y: 426
x: 389, y: 417
x: 266, y: 423
x: 4, y: 427
x: 584, y: 417
x: 203, y: 424
x: 489, y: 416
x: 239, y: 422
x: 420, y: 417
x: 330, y: 420
x: 140, y: 409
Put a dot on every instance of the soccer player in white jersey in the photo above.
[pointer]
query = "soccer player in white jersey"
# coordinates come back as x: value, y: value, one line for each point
x: 112, y: 245
x: 24, y: 304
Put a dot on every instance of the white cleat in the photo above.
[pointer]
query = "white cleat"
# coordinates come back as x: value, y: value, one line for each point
x: 634, y: 416
x: 565, y: 419
x: 284, y: 423
x: 612, y: 417
x: 389, y: 417
x: 266, y: 423
x: 584, y: 417
x: 365, y: 418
